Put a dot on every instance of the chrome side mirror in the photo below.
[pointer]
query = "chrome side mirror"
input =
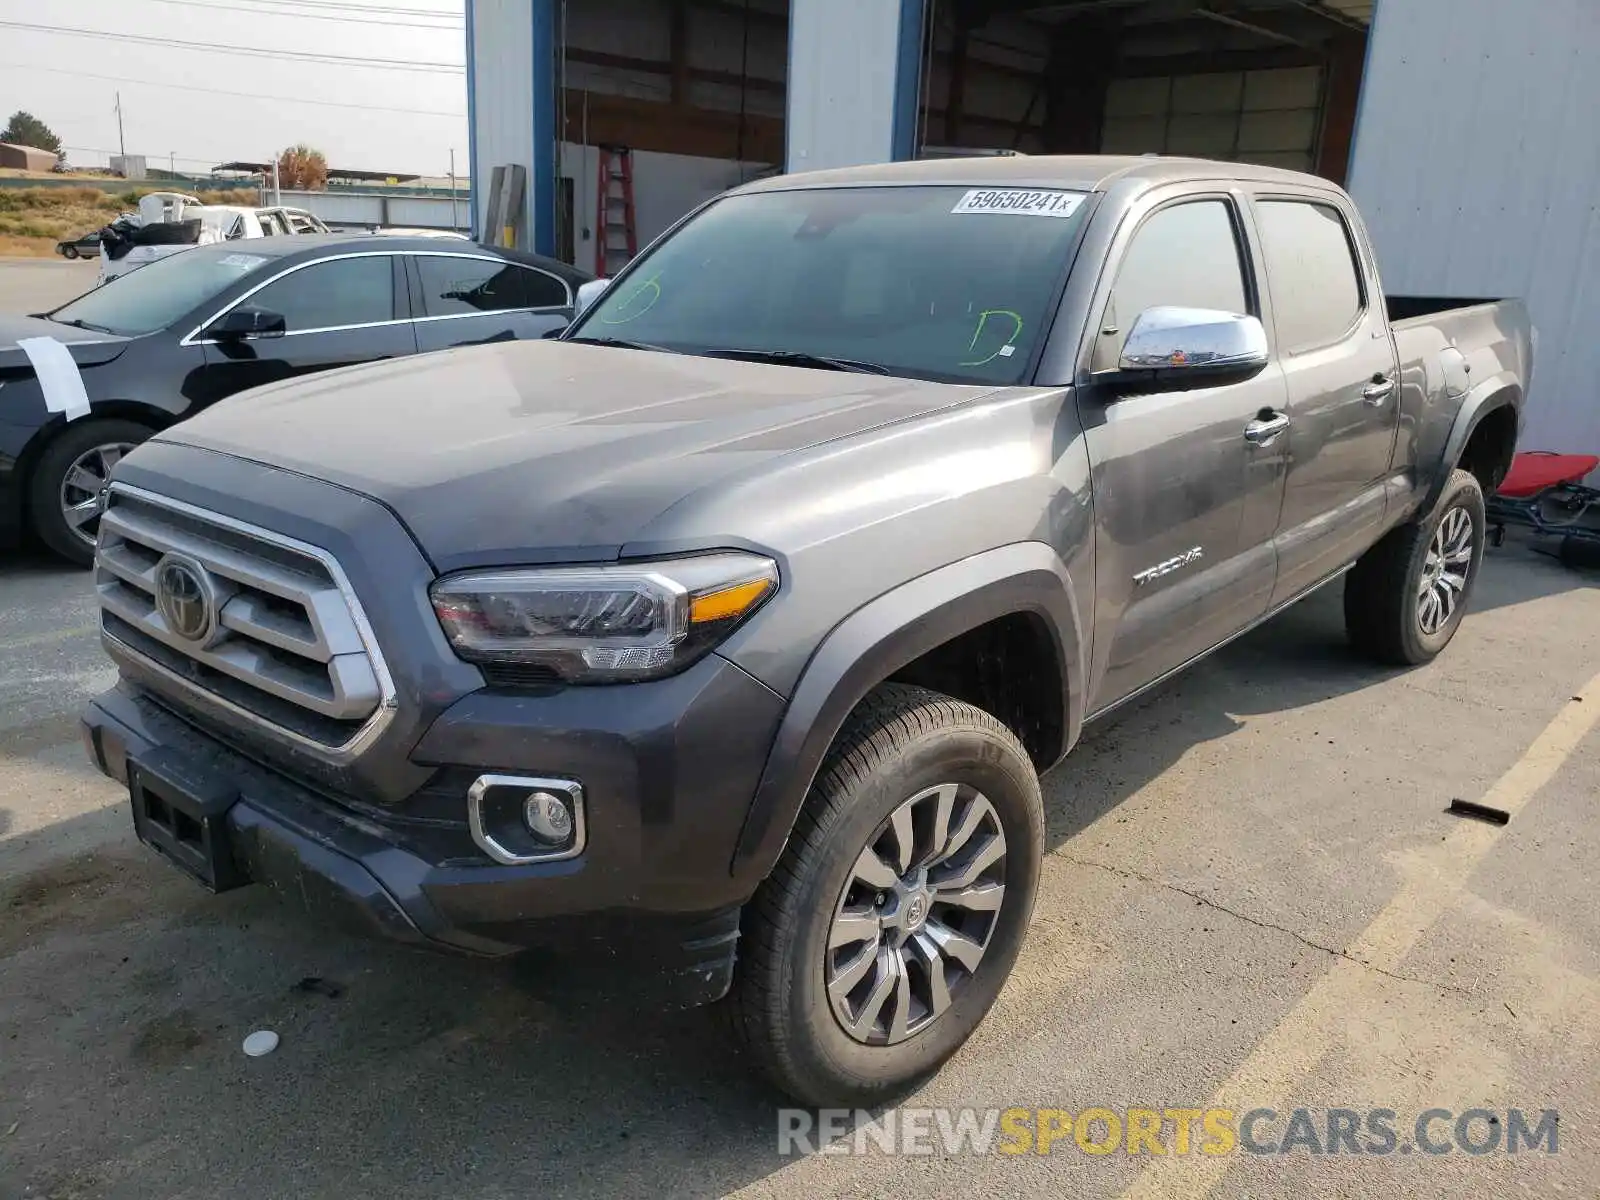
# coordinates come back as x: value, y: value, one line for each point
x: 1170, y: 349
x: 588, y: 293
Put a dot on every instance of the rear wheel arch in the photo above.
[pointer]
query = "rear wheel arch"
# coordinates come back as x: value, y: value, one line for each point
x: 1011, y: 604
x: 1483, y: 437
x: 1489, y: 447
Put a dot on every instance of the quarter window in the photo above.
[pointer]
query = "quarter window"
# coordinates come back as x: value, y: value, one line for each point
x: 1312, y: 271
x: 341, y: 291
x: 460, y: 286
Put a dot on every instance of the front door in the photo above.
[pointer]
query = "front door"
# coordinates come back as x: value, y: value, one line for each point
x: 1185, y: 503
x: 1338, y: 358
x: 337, y: 312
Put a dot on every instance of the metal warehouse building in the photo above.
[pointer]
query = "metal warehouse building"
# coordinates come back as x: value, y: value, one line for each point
x: 1464, y: 128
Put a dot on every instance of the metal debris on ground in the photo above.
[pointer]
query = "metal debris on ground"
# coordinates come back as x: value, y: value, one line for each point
x: 260, y: 1043
x: 1480, y: 812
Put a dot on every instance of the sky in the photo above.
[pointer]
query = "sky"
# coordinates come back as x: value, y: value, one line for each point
x: 202, y: 107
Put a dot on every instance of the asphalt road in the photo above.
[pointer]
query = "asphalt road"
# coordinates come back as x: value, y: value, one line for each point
x: 1254, y: 898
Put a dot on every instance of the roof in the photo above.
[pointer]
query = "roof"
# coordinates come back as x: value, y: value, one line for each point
x: 1078, y: 172
x: 257, y: 168
x: 286, y: 244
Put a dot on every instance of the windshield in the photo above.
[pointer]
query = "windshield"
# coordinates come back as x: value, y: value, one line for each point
x: 948, y: 283
x: 154, y: 296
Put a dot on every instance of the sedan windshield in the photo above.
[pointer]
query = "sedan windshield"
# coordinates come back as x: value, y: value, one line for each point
x: 947, y: 283
x: 156, y: 295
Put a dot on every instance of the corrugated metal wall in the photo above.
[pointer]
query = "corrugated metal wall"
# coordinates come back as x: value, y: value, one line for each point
x: 501, y: 77
x: 1477, y: 166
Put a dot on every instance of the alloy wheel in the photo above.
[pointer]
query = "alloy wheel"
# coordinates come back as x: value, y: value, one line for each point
x: 81, y: 486
x: 916, y: 914
x: 1445, y: 571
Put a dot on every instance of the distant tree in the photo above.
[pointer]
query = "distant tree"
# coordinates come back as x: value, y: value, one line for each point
x: 25, y: 129
x: 303, y: 169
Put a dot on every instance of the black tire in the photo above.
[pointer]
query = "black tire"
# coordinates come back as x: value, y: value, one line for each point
x: 69, y: 252
x: 1382, y: 592
x: 899, y: 741
x: 80, y: 437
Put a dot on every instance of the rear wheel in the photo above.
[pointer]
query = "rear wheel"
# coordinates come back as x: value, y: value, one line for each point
x: 1404, y: 599
x: 888, y: 927
x: 64, y: 492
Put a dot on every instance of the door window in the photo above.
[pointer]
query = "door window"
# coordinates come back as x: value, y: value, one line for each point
x: 461, y: 286
x: 1312, y: 271
x: 1186, y: 255
x: 341, y: 291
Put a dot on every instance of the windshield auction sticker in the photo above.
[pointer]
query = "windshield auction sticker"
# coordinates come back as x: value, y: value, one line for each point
x: 1019, y: 202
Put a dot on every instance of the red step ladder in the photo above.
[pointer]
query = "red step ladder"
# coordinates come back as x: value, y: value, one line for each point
x: 617, y: 239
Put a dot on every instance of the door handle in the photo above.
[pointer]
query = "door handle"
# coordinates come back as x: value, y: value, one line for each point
x: 1379, y: 390
x: 1264, y: 430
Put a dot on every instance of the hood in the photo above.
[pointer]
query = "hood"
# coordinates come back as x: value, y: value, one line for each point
x: 545, y: 451
x: 88, y: 346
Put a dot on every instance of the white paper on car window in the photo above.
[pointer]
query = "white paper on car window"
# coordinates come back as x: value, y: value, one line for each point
x: 59, y: 379
x: 1019, y: 202
x: 242, y: 260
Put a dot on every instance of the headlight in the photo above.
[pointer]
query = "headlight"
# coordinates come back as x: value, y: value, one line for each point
x: 606, y: 624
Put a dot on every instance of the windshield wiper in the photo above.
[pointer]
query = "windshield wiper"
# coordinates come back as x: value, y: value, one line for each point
x: 799, y: 358
x: 77, y: 324
x: 620, y: 343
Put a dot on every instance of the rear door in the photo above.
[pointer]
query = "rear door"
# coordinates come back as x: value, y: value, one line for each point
x: 337, y: 312
x: 1185, y: 503
x: 1338, y: 359
x: 466, y: 299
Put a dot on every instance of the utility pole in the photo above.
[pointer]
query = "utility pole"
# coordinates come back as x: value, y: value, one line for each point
x: 122, y: 146
x: 277, y: 191
x: 172, y: 163
x: 455, y: 221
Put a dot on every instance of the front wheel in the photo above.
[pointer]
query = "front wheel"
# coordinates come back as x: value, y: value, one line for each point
x: 888, y: 927
x: 64, y: 492
x: 1404, y: 599
x: 69, y: 252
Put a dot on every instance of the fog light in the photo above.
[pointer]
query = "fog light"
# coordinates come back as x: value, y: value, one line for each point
x: 516, y: 820
x: 547, y: 818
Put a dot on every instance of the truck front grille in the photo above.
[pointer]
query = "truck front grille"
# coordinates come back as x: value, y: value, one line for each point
x: 263, y: 624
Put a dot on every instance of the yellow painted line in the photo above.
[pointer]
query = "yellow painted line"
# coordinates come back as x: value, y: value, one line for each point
x: 1317, y: 1024
x: 45, y: 639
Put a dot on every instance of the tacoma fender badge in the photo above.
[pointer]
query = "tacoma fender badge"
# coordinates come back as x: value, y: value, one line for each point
x: 1187, y: 558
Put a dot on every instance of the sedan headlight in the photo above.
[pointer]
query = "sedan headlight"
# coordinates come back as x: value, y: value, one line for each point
x: 607, y: 624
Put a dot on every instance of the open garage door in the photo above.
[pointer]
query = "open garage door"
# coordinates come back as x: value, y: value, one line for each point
x: 1265, y: 81
x: 658, y: 106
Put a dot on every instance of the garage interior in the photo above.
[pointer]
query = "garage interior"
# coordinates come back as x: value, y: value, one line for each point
x: 697, y: 91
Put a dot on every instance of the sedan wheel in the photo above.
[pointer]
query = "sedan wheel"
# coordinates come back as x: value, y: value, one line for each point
x: 85, y: 479
x: 916, y: 915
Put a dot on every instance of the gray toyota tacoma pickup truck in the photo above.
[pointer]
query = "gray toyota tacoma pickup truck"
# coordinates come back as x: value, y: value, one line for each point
x: 726, y: 636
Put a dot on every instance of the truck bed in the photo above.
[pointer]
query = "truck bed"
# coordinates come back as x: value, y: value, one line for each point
x: 1409, y: 308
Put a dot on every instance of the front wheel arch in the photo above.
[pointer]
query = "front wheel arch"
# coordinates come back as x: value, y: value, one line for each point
x: 880, y: 640
x: 40, y: 453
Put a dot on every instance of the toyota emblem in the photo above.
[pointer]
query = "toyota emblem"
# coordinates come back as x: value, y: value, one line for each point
x: 185, y: 599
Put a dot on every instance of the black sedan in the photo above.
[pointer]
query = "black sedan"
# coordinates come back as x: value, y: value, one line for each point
x: 158, y: 344
x: 84, y: 246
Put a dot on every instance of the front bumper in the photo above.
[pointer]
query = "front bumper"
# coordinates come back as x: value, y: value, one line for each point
x: 668, y: 770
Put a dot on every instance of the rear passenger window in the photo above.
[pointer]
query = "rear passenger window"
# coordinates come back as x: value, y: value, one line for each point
x: 457, y: 286
x: 1311, y: 272
x: 1186, y: 255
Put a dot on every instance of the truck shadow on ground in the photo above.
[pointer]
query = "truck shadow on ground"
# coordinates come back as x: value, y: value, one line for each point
x: 125, y: 994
